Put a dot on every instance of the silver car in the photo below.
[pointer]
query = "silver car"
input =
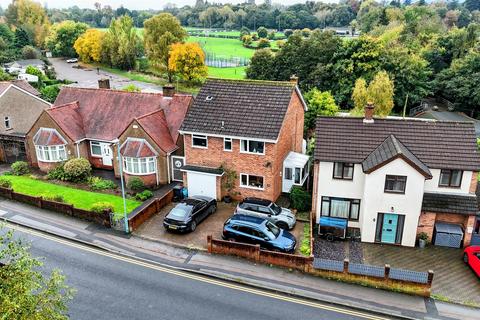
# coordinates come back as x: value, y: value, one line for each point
x: 266, y: 209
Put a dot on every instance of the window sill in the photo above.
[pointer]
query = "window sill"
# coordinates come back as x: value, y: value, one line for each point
x: 138, y: 174
x: 450, y: 187
x: 199, y: 147
x: 51, y: 161
x: 255, y: 153
x: 253, y: 188
x: 394, y: 192
x: 343, y: 179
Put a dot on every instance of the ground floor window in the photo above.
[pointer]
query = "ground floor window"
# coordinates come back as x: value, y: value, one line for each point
x: 251, y: 181
x: 341, y: 208
x: 139, y: 165
x: 389, y: 228
x: 95, y: 148
x: 51, y: 153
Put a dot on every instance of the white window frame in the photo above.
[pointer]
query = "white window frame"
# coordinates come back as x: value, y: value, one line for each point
x: 199, y: 136
x: 96, y: 143
x: 231, y: 144
x: 248, y: 186
x: 248, y: 147
x: 53, y: 153
x: 7, y: 122
x: 137, y: 163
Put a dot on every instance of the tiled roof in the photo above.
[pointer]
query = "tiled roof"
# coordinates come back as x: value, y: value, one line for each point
x: 47, y: 137
x: 136, y: 148
x: 241, y: 108
x: 22, y: 84
x: 156, y: 126
x: 438, y: 144
x: 450, y: 203
x: 215, y: 171
x: 103, y: 114
x: 390, y: 149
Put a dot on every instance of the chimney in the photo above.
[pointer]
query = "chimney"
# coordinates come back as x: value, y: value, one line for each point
x: 369, y: 108
x: 104, y: 83
x: 168, y: 90
x: 294, y: 79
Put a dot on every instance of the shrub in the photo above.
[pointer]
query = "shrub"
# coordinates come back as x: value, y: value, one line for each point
x: 50, y: 93
x: 56, y: 198
x: 29, y: 52
x: 300, y: 199
x: 135, y: 184
x: 262, y: 32
x: 5, y: 183
x: 19, y: 168
x: 144, y: 195
x: 271, y: 35
x: 57, y: 173
x: 288, y: 32
x: 263, y: 43
x: 77, y: 169
x: 97, y: 184
x: 100, y: 207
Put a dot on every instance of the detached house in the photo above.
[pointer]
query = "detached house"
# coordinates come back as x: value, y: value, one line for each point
x: 253, y: 129
x: 92, y: 123
x: 394, y: 178
x: 20, y: 106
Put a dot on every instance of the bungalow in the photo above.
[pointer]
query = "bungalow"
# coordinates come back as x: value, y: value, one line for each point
x: 248, y: 132
x: 93, y: 123
x: 394, y: 178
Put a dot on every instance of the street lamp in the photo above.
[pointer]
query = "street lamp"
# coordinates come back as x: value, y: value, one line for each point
x: 120, y: 167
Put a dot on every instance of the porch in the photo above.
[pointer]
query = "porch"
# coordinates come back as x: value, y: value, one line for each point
x: 296, y: 169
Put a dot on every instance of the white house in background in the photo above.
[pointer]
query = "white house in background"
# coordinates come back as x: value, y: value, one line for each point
x: 394, y: 178
x: 27, y: 77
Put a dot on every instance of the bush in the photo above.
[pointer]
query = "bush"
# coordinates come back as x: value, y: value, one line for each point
x: 98, y: 184
x: 135, y: 184
x: 300, y: 199
x: 50, y: 93
x: 263, y: 43
x: 288, y: 32
x: 144, y: 195
x: 77, y: 169
x: 19, y: 168
x: 100, y: 207
x: 5, y: 183
x: 262, y: 32
x: 29, y: 52
x: 57, y: 173
x: 56, y: 198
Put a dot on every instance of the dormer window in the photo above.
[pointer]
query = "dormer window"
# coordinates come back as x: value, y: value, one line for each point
x: 7, y: 123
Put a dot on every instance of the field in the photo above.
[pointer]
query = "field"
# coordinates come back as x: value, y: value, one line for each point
x: 232, y: 33
x: 225, y: 48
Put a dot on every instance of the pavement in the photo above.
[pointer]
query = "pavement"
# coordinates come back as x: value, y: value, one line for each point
x: 295, y: 284
x: 88, y: 77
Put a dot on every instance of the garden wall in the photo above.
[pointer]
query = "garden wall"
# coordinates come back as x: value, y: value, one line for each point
x: 148, y: 209
x: 65, y: 208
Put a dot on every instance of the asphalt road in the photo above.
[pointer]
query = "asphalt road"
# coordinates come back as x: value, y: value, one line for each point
x: 115, y: 287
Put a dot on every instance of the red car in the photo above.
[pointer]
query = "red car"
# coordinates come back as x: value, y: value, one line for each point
x: 471, y: 256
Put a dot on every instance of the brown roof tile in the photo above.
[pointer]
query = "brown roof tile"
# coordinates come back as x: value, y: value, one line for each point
x: 136, y: 148
x: 22, y: 84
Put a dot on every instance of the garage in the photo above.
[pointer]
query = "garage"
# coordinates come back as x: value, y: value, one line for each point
x: 202, y: 180
x: 447, y: 235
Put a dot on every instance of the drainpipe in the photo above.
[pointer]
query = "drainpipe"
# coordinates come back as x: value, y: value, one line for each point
x: 78, y: 150
x: 156, y: 169
x: 168, y: 167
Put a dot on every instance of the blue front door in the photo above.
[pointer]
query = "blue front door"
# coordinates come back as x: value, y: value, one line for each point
x: 389, y: 228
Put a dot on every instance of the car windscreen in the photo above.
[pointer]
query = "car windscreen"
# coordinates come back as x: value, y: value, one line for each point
x: 180, y: 212
x: 276, y: 209
x: 272, y: 230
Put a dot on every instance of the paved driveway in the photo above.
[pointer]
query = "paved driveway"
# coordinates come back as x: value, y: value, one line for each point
x: 153, y: 228
x: 88, y: 78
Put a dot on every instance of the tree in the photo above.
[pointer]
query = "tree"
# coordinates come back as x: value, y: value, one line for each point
x: 263, y: 43
x: 30, y: 16
x: 62, y: 36
x: 288, y: 32
x: 379, y: 91
x: 50, y: 93
x: 21, y: 38
x: 472, y: 5
x: 25, y: 292
x: 320, y: 103
x: 262, y: 32
x: 244, y: 32
x: 359, y: 96
x: 89, y: 45
x: 132, y: 88
x: 29, y: 52
x: 188, y: 61
x: 34, y: 71
x: 161, y: 31
x: 260, y: 66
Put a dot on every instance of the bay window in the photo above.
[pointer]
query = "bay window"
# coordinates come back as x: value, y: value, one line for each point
x: 139, y: 166
x: 252, y: 146
x: 51, y: 153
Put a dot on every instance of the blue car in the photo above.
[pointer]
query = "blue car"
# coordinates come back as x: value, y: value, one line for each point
x: 255, y: 230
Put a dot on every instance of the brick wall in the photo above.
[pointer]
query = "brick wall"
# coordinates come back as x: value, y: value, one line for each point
x: 427, y: 222
x: 474, y: 182
x: 149, y: 179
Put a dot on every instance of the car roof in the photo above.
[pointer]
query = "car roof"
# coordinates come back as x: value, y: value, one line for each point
x: 192, y: 201
x: 263, y: 202
x: 247, y: 220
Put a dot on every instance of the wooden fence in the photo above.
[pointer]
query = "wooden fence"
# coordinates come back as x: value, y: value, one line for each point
x: 102, y: 218
x: 148, y: 209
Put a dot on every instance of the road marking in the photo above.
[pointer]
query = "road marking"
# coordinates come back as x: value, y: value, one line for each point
x: 190, y: 276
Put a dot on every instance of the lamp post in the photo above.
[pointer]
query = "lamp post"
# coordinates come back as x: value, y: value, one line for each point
x: 120, y: 167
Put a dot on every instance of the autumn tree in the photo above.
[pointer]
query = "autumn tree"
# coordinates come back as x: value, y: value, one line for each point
x: 89, y: 45
x: 320, y: 103
x: 62, y: 36
x: 379, y: 91
x: 162, y: 31
x: 31, y: 17
x: 188, y: 61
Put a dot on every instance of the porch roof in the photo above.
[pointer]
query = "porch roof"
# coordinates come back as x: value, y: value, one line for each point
x: 295, y: 159
x: 214, y: 171
x: 465, y: 204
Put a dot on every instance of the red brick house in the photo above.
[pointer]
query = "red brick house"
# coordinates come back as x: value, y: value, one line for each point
x: 251, y: 128
x: 90, y: 123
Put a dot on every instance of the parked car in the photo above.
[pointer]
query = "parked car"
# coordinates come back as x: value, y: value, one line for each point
x: 266, y: 209
x: 255, y: 230
x: 73, y: 60
x: 189, y: 213
x: 471, y: 256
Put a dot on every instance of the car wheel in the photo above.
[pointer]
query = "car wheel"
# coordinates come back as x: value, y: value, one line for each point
x: 232, y: 239
x: 193, y: 226
x: 465, y: 258
x: 282, y: 225
x: 330, y: 237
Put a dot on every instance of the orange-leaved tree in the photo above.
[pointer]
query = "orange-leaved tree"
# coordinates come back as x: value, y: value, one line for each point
x: 187, y: 60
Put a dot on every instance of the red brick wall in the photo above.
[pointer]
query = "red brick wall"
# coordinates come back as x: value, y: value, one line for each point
x: 149, y: 180
x: 46, y: 166
x: 427, y: 222
x: 473, y: 182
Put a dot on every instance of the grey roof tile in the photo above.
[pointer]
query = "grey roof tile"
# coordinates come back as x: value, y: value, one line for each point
x: 450, y: 203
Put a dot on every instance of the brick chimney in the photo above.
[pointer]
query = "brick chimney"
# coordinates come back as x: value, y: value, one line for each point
x: 294, y: 79
x: 104, y: 83
x: 168, y: 90
x: 369, y: 108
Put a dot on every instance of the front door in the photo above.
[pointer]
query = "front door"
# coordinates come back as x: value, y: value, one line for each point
x: 107, y: 154
x: 389, y: 227
x: 287, y: 181
x: 177, y: 164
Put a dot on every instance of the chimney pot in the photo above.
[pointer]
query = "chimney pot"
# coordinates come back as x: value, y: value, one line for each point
x: 294, y: 79
x: 168, y: 90
x: 104, y: 83
x: 369, y: 109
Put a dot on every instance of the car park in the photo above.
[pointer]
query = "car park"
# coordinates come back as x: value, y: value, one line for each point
x: 187, y: 214
x: 255, y: 230
x: 266, y: 209
x: 471, y: 256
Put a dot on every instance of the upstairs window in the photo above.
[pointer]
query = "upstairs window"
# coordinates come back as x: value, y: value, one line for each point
x: 395, y: 184
x: 252, y: 146
x: 227, y: 144
x: 342, y: 170
x: 450, y: 178
x: 199, y: 141
x: 7, y: 123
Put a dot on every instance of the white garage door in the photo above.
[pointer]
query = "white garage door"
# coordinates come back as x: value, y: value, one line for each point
x: 202, y: 184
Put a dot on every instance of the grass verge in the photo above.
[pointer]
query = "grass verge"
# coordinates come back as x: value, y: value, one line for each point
x: 305, y: 244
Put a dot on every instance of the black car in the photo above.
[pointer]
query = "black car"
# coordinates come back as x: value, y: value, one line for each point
x: 189, y: 213
x: 255, y: 230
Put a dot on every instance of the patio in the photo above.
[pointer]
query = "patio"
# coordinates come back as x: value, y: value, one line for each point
x: 453, y: 280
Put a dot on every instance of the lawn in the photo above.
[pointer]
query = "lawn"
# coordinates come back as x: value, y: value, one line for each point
x: 227, y: 73
x: 225, y: 48
x: 235, y: 33
x: 79, y: 198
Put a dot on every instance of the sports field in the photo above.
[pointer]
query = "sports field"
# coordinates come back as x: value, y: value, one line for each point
x: 221, y: 47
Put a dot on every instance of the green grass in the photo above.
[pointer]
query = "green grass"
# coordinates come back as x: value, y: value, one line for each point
x: 225, y: 48
x: 235, y: 33
x: 305, y: 244
x: 78, y: 198
x: 227, y: 73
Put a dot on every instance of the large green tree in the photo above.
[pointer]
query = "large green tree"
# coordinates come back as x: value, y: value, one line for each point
x: 319, y: 104
x: 62, y: 37
x: 379, y: 92
x: 260, y: 66
x: 161, y: 31
x: 31, y: 16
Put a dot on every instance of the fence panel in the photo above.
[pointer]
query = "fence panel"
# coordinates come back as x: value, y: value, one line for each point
x: 408, y: 275
x: 327, y: 264
x: 366, y: 270
x: 148, y: 209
